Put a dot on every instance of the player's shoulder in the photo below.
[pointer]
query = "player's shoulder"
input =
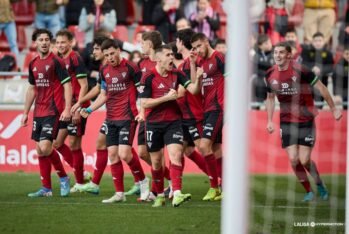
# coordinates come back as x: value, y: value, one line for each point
x: 104, y: 68
x: 219, y: 56
x: 147, y: 76
x: 300, y: 68
x: 270, y: 71
x: 131, y: 65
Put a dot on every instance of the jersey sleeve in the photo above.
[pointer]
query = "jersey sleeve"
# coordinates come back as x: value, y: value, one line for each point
x: 220, y: 63
x: 183, y: 79
x: 145, y: 89
x: 266, y: 81
x: 61, y: 72
x: 101, y: 80
x: 186, y: 69
x: 31, y: 77
x: 135, y: 73
x: 308, y: 76
x: 80, y: 68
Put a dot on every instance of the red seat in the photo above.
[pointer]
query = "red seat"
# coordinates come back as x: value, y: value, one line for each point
x: 79, y: 36
x: 120, y: 32
x: 21, y: 40
x: 24, y: 12
x: 28, y: 58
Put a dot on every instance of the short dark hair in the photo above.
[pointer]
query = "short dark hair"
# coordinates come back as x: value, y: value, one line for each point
x: 163, y: 47
x: 197, y: 37
x: 318, y: 34
x: 291, y: 30
x: 153, y: 36
x: 284, y: 44
x: 98, y: 40
x: 109, y: 43
x: 292, y: 44
x: 185, y: 36
x: 65, y: 33
x: 220, y: 41
x: 177, y: 55
x: 40, y: 31
x: 346, y: 47
x: 262, y: 38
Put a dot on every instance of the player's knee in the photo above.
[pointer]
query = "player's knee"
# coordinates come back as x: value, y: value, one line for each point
x: 188, y: 151
x: 294, y: 161
x: 74, y: 144
x: 45, y: 149
x: 113, y: 158
x: 101, y: 145
x: 156, y: 163
x: 204, y: 150
x: 304, y: 161
x: 57, y: 144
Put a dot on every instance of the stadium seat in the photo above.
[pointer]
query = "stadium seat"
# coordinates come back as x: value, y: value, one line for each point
x: 79, y: 35
x: 120, y: 32
x: 24, y: 12
x: 21, y: 40
x: 28, y: 58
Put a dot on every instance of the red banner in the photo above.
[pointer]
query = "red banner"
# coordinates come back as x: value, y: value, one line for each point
x: 17, y: 150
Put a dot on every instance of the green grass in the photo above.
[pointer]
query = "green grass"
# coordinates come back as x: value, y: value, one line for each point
x: 275, y: 208
x: 84, y: 213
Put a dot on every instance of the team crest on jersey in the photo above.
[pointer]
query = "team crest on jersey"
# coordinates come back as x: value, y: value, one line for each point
x: 144, y: 69
x: 204, y: 75
x: 274, y: 82
x: 140, y: 89
x: 107, y: 75
x: 47, y: 67
x: 210, y: 66
x: 294, y: 78
x: 35, y: 69
x: 114, y: 80
x: 123, y: 74
x: 67, y: 66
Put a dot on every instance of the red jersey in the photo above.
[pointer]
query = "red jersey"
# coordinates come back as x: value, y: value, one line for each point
x: 155, y: 86
x: 76, y: 70
x: 293, y: 88
x: 120, y: 85
x: 191, y: 105
x: 48, y: 76
x: 146, y: 64
x: 213, y: 82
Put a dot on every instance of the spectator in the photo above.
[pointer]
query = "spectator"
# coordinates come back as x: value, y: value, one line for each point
x: 340, y: 79
x: 8, y: 25
x: 319, y: 60
x: 98, y: 16
x: 135, y: 56
x: 262, y: 61
x: 295, y: 55
x: 343, y: 38
x: 221, y: 46
x: 205, y: 19
x: 256, y: 12
x: 147, y: 10
x: 291, y: 35
x: 165, y: 16
x: 73, y: 10
x: 189, y: 7
x: 47, y: 14
x: 319, y: 16
x: 182, y: 23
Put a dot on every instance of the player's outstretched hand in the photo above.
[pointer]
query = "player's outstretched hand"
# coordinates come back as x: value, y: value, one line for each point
x: 270, y: 127
x: 139, y: 117
x: 172, y: 95
x: 84, y: 113
x: 24, y: 120
x: 337, y: 114
x: 65, y: 116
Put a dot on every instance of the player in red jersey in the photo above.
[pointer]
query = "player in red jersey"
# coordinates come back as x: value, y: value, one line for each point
x: 150, y: 41
x: 119, y: 79
x: 190, y: 105
x: 51, y: 90
x: 213, y: 63
x: 163, y: 121
x: 76, y: 127
x: 292, y: 84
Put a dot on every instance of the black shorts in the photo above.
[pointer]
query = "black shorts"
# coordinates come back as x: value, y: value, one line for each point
x: 192, y: 130
x: 298, y: 134
x: 104, y: 128
x: 141, y: 133
x: 74, y: 129
x: 213, y: 126
x: 45, y: 128
x: 120, y: 132
x: 165, y: 133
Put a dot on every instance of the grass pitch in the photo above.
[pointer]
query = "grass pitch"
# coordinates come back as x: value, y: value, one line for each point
x: 275, y: 207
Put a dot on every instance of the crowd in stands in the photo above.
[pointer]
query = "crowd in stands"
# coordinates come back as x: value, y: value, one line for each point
x: 317, y: 30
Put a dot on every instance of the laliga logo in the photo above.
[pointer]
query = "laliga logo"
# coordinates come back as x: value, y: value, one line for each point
x: 12, y: 128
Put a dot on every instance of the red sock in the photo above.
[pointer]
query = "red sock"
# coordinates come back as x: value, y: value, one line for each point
x: 312, y: 169
x: 136, y: 168
x: 199, y: 160
x: 219, y: 167
x: 302, y: 176
x: 158, y: 179
x: 101, y: 163
x: 67, y: 154
x: 167, y: 173
x: 117, y: 172
x: 78, y: 159
x: 153, y: 186
x: 45, y: 171
x: 211, y: 166
x: 57, y: 164
x: 176, y: 176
